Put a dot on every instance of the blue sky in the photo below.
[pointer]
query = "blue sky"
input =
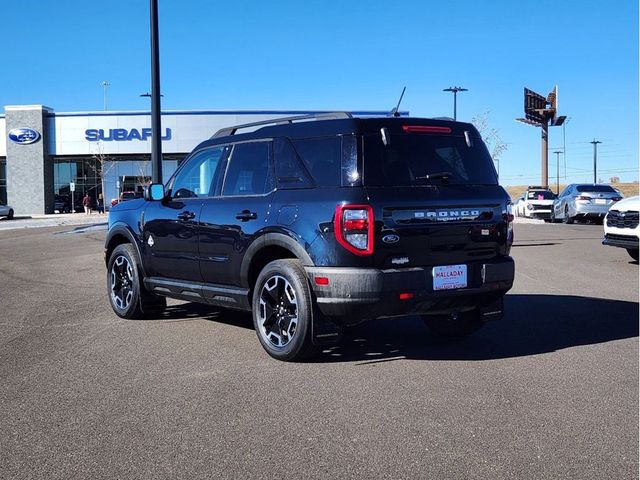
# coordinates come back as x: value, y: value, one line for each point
x: 347, y: 56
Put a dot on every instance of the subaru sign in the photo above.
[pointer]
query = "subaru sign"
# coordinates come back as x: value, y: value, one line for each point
x: 23, y: 136
x: 121, y: 134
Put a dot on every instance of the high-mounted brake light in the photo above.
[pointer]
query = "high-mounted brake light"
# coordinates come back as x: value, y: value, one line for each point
x: 353, y: 228
x: 424, y: 129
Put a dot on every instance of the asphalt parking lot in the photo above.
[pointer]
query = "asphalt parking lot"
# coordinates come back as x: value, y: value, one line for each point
x: 551, y: 391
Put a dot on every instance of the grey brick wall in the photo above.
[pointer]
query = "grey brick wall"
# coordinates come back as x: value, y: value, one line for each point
x: 29, y: 168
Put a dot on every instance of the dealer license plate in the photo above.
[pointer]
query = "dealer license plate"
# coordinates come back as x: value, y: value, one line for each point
x: 601, y: 201
x: 449, y: 277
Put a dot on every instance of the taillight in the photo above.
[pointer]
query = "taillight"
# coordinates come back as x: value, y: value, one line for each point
x: 508, y: 215
x: 616, y: 199
x: 353, y: 227
x: 582, y: 198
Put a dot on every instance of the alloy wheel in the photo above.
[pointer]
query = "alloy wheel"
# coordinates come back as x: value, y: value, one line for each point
x: 278, y: 313
x: 121, y: 282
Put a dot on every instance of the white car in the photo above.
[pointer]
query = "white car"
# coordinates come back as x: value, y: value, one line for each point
x: 621, y: 226
x: 535, y: 203
x: 6, y: 211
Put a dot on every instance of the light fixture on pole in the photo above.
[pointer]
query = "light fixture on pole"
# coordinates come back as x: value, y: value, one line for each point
x: 455, y: 91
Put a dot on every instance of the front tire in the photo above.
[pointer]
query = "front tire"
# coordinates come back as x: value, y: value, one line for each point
x: 567, y: 219
x: 454, y: 325
x: 127, y: 295
x: 633, y: 252
x: 283, y: 310
x: 10, y: 215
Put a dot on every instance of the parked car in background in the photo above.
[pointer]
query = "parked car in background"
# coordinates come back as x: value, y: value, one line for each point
x: 518, y: 205
x: 124, y: 196
x: 62, y: 204
x: 584, y: 201
x: 536, y: 202
x: 6, y: 211
x: 621, y: 226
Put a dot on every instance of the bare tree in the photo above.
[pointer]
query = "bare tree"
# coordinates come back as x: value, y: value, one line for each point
x: 142, y: 176
x: 104, y: 164
x: 491, y: 136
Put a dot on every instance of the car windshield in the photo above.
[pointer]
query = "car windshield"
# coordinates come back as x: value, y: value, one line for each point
x: 540, y: 195
x: 415, y: 159
x: 596, y: 188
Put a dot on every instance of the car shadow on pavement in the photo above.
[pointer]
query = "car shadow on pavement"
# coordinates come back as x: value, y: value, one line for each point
x: 198, y: 311
x: 16, y: 217
x: 533, y: 324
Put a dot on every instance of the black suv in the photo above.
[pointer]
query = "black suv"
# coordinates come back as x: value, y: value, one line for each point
x: 315, y: 223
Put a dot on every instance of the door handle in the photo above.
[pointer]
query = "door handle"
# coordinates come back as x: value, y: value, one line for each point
x: 186, y: 216
x: 246, y: 215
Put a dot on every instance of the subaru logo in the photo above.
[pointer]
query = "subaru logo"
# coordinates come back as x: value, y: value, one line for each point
x: 391, y: 238
x: 23, y: 136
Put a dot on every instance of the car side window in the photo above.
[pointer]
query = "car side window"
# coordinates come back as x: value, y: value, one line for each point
x: 249, y: 170
x: 290, y: 173
x: 198, y: 178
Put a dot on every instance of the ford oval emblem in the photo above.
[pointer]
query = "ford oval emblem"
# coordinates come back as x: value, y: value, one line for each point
x: 23, y: 136
x: 391, y: 238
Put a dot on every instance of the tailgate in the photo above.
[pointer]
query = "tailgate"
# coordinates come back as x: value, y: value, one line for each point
x: 438, y: 225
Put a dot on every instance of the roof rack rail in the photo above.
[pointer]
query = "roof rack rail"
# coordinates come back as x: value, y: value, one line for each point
x: 277, y: 121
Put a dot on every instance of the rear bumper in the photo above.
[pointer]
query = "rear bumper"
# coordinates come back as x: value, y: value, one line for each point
x: 357, y: 293
x: 623, y: 241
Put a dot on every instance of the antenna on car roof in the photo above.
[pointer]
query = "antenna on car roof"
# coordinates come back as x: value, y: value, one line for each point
x: 394, y: 111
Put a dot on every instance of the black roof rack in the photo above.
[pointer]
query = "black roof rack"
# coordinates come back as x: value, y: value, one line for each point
x: 277, y: 121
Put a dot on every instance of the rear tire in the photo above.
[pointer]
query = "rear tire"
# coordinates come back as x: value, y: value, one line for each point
x: 633, y: 252
x: 283, y: 311
x: 456, y: 325
x: 10, y: 215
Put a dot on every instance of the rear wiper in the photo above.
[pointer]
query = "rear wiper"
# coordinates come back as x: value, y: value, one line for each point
x: 435, y: 176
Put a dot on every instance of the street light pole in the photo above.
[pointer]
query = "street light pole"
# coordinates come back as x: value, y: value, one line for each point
x: 156, y: 140
x: 105, y: 86
x: 557, y: 152
x: 595, y: 159
x: 455, y: 91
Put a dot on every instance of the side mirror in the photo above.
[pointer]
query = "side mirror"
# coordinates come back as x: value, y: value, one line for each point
x: 154, y: 192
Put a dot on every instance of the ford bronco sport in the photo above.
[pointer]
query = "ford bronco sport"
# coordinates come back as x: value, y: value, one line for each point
x: 316, y: 223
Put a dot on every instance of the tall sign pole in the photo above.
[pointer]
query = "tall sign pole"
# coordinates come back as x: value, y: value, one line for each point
x: 545, y: 153
x: 595, y: 159
x: 541, y: 112
x: 156, y: 135
x: 558, y: 152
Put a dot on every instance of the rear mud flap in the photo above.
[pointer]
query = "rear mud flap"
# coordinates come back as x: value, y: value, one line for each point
x: 492, y: 311
x: 324, y: 332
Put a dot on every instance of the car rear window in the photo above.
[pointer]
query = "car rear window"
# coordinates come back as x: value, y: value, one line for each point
x: 596, y: 188
x: 408, y: 159
x: 540, y: 195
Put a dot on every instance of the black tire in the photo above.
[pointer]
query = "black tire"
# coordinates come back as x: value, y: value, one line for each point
x: 453, y: 326
x: 633, y: 252
x: 127, y: 295
x: 10, y: 215
x: 567, y: 219
x: 280, y: 296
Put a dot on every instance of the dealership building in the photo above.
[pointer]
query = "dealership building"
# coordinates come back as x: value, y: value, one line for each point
x: 46, y: 154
